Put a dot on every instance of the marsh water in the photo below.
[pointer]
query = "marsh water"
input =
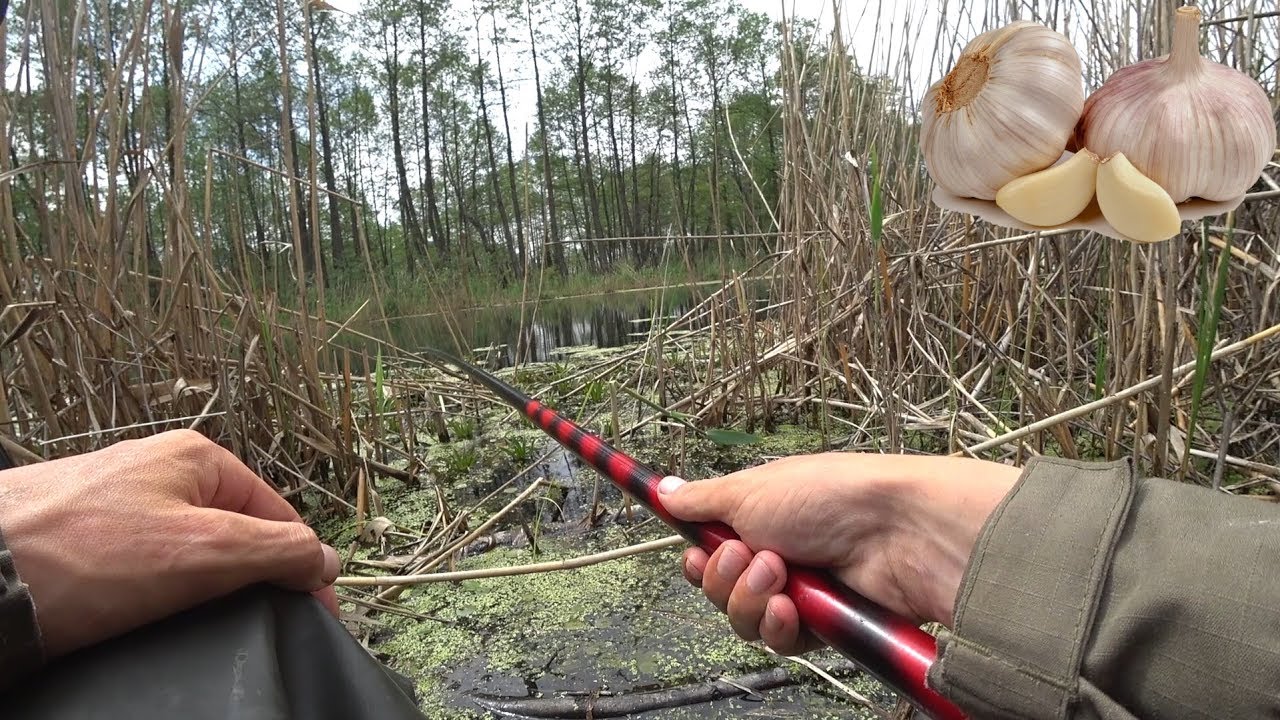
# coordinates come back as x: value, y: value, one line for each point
x: 537, y: 330
x: 621, y: 628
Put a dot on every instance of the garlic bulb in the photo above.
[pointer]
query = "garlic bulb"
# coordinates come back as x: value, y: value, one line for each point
x: 1196, y: 127
x: 1006, y: 109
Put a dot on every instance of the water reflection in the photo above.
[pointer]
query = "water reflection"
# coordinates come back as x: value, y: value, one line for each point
x: 607, y: 321
x: 601, y: 325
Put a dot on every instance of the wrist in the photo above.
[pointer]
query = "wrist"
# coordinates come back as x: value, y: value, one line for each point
x: 945, y: 502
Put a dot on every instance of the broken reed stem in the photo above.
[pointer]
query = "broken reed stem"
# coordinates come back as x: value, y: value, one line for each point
x: 834, y: 682
x: 543, y: 567
x: 1125, y: 394
x: 465, y: 540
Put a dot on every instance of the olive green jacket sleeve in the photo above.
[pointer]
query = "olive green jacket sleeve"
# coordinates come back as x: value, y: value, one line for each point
x: 1095, y: 593
x: 21, y: 650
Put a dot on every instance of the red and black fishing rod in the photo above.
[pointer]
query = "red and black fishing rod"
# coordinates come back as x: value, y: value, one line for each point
x: 884, y: 644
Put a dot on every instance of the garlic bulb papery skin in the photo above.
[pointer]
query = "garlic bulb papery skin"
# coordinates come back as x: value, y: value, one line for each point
x: 1196, y: 127
x: 1007, y: 109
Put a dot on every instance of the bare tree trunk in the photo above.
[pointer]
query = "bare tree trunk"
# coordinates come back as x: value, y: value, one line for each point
x: 588, y: 179
x: 511, y: 162
x: 336, y: 240
x: 494, y: 185
x: 557, y: 249
x: 412, y: 229
x: 678, y: 205
x: 440, y: 238
x: 636, y: 230
x: 259, y: 233
x: 616, y: 180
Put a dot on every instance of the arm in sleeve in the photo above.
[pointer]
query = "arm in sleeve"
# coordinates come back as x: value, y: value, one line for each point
x: 21, y: 650
x: 1093, y: 593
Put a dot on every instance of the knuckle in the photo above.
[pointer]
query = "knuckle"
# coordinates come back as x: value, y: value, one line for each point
x: 299, y: 535
x: 189, y: 444
x: 186, y: 437
x: 193, y: 453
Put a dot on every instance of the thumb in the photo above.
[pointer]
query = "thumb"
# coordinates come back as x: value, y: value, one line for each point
x: 282, y: 552
x: 701, y: 501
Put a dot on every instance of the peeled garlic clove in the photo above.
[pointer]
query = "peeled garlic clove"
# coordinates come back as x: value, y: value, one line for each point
x: 1134, y: 204
x: 1196, y: 127
x: 1052, y: 196
x: 1006, y: 109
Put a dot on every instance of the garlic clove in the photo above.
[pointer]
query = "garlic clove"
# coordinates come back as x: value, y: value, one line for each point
x: 1134, y: 204
x: 1198, y: 128
x: 1090, y: 220
x: 1054, y: 195
x: 1007, y: 108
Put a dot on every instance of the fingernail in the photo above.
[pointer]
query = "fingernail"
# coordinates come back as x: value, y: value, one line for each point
x: 669, y: 484
x: 330, y: 564
x: 759, y: 577
x: 771, y: 622
x: 692, y: 571
x: 731, y: 564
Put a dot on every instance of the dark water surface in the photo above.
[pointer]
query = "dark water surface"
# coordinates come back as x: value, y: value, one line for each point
x: 608, y: 320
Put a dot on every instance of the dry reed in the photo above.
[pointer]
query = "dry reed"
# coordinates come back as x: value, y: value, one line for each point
x: 936, y: 334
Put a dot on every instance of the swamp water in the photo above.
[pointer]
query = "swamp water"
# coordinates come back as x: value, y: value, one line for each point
x: 540, y: 329
x: 622, y: 627
x: 619, y: 628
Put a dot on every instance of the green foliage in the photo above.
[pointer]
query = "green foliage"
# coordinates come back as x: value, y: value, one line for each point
x: 429, y: 179
x: 560, y: 371
x: 721, y: 436
x: 522, y: 449
x: 1100, y: 368
x: 458, y: 193
x: 1210, y: 309
x: 461, y: 428
x: 457, y: 460
x: 594, y: 392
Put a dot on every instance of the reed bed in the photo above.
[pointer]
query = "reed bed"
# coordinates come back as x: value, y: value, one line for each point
x: 893, y: 326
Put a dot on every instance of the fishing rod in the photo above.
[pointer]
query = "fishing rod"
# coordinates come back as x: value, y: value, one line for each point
x: 884, y: 644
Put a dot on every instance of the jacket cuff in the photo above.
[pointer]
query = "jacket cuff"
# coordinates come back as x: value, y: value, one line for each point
x: 21, y: 649
x: 1028, y: 598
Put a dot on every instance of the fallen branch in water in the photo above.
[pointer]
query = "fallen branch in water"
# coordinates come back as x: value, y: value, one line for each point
x: 570, y: 564
x: 602, y: 706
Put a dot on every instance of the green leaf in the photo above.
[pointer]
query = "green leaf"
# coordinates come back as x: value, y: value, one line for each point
x: 731, y: 437
x: 1211, y: 311
x: 877, y: 204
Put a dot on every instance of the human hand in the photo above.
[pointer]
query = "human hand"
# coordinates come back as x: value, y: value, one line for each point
x: 899, y: 530
x: 114, y: 539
